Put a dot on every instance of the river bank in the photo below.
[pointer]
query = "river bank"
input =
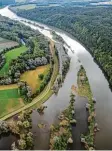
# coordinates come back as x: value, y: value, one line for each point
x: 61, y: 134
x: 99, y: 87
x: 84, y: 90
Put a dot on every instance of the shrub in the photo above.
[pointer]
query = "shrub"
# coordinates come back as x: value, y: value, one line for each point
x: 41, y: 76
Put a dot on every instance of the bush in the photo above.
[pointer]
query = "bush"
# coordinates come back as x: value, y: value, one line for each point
x: 41, y: 76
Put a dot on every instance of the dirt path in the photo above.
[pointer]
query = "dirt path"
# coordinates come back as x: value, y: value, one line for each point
x: 51, y: 45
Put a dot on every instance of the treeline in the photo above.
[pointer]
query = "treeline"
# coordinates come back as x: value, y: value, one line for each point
x: 92, y: 26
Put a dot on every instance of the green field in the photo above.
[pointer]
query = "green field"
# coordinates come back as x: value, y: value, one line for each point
x: 9, y: 94
x: 9, y: 101
x: 26, y: 7
x: 13, y: 54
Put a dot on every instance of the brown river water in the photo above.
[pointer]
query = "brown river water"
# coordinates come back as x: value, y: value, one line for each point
x: 57, y: 103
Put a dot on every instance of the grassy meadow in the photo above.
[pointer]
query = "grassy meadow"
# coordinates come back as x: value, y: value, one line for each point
x: 13, y: 54
x: 31, y: 77
x: 9, y: 101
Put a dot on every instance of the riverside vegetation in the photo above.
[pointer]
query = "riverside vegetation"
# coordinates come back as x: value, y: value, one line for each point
x: 87, y: 24
x: 21, y: 129
x: 61, y: 135
x: 85, y: 91
x: 20, y: 126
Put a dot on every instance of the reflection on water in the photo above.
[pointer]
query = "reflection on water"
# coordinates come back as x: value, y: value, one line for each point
x: 55, y: 105
x: 6, y: 142
x: 98, y: 83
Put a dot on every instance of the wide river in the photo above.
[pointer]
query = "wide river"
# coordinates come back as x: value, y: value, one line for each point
x: 99, y: 86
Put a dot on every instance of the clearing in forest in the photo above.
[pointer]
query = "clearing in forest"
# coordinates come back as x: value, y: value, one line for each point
x: 31, y: 77
x: 10, y: 55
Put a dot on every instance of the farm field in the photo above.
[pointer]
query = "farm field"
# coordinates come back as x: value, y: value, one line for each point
x: 5, y: 43
x: 9, y: 101
x: 31, y: 77
x: 13, y: 54
x: 20, y: 1
x: 11, y: 86
x: 25, y: 7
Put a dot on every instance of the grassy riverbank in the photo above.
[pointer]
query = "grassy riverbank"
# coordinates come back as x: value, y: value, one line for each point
x: 83, y: 85
x: 85, y: 91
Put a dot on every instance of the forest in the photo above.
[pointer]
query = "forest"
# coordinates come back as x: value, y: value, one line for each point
x: 13, y: 30
x: 92, y: 26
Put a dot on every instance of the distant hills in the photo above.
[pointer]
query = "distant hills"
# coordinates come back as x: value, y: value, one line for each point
x: 64, y: 1
x: 8, y: 2
x: 71, y: 2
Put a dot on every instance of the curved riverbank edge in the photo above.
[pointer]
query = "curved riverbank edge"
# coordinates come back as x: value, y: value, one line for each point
x: 88, y: 49
x: 42, y: 97
x: 72, y: 37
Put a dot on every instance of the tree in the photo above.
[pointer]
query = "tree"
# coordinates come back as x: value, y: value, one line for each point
x: 4, y: 128
x: 26, y: 124
x: 22, y: 144
x: 41, y: 76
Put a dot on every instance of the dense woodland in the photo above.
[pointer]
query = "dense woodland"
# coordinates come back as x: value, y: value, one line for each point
x: 92, y: 26
x: 13, y: 30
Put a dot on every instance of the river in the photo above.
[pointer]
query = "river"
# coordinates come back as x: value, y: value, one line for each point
x: 99, y: 86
